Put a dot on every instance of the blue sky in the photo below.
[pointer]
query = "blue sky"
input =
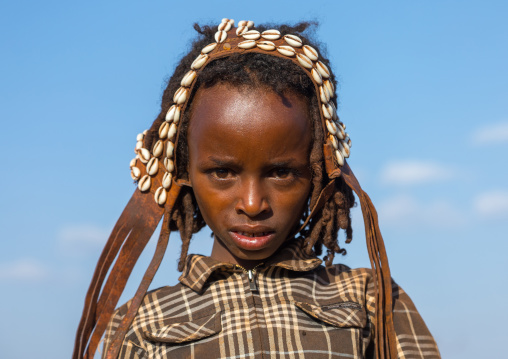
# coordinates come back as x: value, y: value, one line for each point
x: 423, y: 91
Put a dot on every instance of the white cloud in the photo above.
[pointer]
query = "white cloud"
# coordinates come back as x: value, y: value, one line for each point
x: 492, y: 134
x: 412, y: 172
x: 83, y: 236
x: 492, y: 204
x: 406, y: 211
x: 24, y: 269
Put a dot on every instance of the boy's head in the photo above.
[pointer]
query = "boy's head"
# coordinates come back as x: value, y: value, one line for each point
x: 245, y: 74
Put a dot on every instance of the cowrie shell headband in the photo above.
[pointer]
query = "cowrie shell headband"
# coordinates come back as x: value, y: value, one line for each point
x: 154, y: 169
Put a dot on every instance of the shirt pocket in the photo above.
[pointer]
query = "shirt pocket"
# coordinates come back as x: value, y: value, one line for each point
x: 341, y: 314
x: 198, y: 338
x: 337, y: 328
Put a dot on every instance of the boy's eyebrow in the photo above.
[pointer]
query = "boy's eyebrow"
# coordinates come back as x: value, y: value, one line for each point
x: 221, y: 161
x: 284, y: 163
x: 231, y: 162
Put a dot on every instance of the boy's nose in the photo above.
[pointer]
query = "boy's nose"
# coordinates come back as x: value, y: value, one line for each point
x: 252, y: 200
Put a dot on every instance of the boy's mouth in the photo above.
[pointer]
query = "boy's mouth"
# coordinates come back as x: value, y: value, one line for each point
x: 252, y: 240
x: 248, y: 234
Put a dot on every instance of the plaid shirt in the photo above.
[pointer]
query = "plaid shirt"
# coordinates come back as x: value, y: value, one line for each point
x: 292, y: 308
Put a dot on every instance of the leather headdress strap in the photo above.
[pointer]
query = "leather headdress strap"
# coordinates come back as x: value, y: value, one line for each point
x: 159, y: 186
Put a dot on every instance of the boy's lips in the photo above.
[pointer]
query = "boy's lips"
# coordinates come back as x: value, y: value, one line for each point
x: 252, y: 238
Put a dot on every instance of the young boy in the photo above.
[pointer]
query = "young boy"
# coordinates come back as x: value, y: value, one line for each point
x: 248, y: 142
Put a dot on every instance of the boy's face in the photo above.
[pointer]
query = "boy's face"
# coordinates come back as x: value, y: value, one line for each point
x: 249, y: 168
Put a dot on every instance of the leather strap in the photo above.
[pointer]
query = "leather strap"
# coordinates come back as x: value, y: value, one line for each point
x: 122, y: 329
x: 129, y: 236
x: 385, y: 339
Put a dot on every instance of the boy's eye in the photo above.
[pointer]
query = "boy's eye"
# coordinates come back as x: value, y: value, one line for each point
x: 221, y: 173
x: 282, y: 173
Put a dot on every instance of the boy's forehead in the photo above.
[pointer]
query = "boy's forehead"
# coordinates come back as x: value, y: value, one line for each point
x: 227, y: 105
x: 225, y: 120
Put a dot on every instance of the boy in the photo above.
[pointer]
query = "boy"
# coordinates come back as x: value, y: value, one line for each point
x: 248, y: 142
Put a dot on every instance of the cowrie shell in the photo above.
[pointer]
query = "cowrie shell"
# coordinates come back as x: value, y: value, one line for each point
x: 163, y: 130
x: 220, y: 36
x: 132, y: 163
x: 347, y: 150
x: 241, y: 30
x: 135, y: 173
x: 331, y: 109
x: 144, y: 183
x: 323, y: 94
x: 316, y: 76
x: 329, y: 87
x: 139, y: 145
x: 232, y: 22
x: 304, y: 61
x: 271, y: 34
x: 286, y: 50
x: 199, y: 61
x: 344, y: 149
x: 224, y: 19
x: 331, y: 127
x: 224, y: 26
x: 172, y: 132
x: 170, y: 148
x: 250, y: 23
x: 340, y: 133
x: 349, y: 143
x: 326, y: 112
x: 176, y: 117
x: 160, y: 196
x: 323, y: 70
x: 158, y: 148
x: 140, y: 137
x: 242, y: 23
x: 310, y: 52
x: 144, y: 155
x: 339, y: 157
x: 335, y: 116
x: 208, y: 48
x: 169, y: 165
x: 188, y: 78
x: 171, y: 113
x: 180, y: 95
x: 145, y: 132
x: 293, y: 40
x: 341, y: 149
x: 247, y: 44
x: 266, y: 45
x: 152, y: 167
x: 341, y: 130
x: 251, y: 35
x: 166, y: 180
x: 334, y: 141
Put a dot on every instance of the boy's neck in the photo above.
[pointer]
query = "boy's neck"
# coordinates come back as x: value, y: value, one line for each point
x: 221, y: 253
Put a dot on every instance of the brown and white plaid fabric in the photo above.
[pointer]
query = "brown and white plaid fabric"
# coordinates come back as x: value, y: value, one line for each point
x: 301, y: 310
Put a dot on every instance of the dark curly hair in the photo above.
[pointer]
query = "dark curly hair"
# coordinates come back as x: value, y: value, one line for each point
x: 256, y: 70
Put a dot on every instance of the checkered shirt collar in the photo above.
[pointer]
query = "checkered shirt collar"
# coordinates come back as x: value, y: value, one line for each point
x: 199, y: 268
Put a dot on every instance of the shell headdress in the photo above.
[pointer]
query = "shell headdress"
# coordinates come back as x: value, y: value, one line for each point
x: 154, y: 169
